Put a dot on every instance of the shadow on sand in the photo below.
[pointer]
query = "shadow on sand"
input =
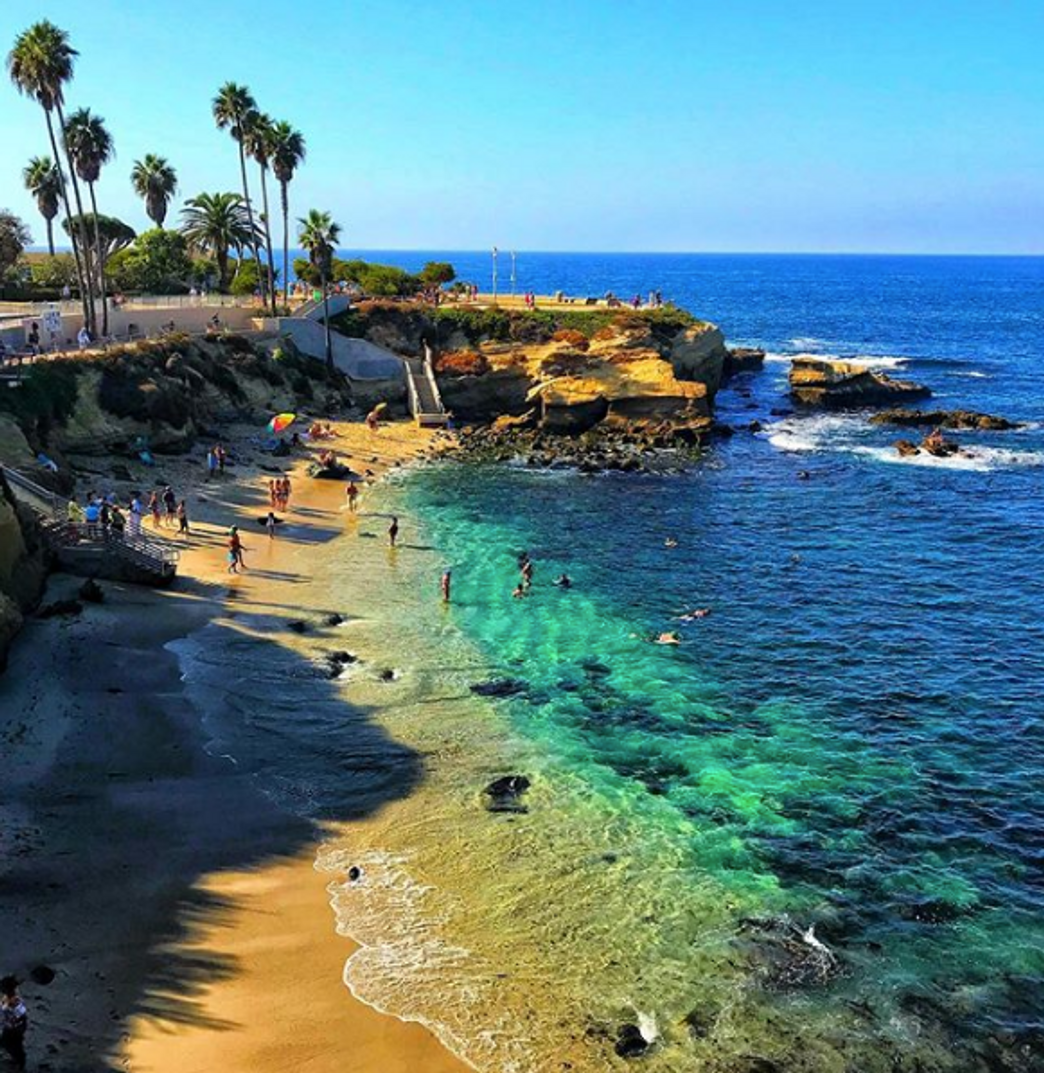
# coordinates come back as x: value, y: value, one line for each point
x: 160, y: 782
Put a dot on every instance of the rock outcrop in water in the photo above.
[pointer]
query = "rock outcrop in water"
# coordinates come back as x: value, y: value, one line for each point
x: 843, y: 385
x: 951, y: 419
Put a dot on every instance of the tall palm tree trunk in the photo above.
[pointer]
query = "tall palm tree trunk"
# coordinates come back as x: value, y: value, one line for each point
x: 250, y: 211
x: 50, y: 234
x: 101, y: 262
x: 286, y: 244
x: 268, y: 240
x: 85, y: 242
x: 84, y: 300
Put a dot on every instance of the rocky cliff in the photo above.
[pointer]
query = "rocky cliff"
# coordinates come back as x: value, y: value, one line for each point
x: 162, y: 393
x: 23, y: 567
x: 565, y: 370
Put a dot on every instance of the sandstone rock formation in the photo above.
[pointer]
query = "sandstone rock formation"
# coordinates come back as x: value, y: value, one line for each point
x: 952, y: 419
x: 845, y: 385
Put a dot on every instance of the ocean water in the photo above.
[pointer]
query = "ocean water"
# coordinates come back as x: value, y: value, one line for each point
x: 809, y: 837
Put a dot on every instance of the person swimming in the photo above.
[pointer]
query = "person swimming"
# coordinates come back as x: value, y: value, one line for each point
x: 520, y: 592
x: 692, y: 616
x: 670, y: 542
x: 668, y: 637
x: 564, y: 582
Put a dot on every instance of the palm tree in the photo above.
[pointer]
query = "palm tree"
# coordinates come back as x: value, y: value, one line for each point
x: 236, y: 110
x: 319, y: 236
x: 42, y: 180
x: 287, y: 153
x: 40, y: 63
x: 215, y: 223
x: 156, y: 182
x: 90, y: 148
x: 259, y: 145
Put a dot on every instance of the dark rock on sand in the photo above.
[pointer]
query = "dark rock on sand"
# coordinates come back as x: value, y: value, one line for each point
x: 630, y: 1043
x: 387, y: 674
x: 297, y: 625
x: 841, y: 385
x: 499, y: 687
x: 91, y: 591
x: 505, y: 794
x: 60, y: 608
x: 354, y: 873
x: 333, y: 619
x: 342, y: 658
x: 952, y: 419
x: 42, y: 975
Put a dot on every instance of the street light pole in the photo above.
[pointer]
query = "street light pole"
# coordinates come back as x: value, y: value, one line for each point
x: 494, y: 275
x: 512, y: 273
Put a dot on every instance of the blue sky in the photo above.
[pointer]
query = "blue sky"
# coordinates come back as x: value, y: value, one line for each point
x: 576, y: 125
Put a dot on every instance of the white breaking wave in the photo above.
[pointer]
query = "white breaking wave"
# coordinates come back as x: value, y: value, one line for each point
x: 812, y: 433
x: 974, y: 459
x: 842, y: 433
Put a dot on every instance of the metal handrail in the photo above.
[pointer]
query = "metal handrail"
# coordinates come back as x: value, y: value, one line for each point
x: 429, y: 372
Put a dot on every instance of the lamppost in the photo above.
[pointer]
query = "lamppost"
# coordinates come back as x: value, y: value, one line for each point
x: 512, y: 273
x: 494, y: 275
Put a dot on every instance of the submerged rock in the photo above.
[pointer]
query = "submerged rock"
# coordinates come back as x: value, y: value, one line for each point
x: 789, y: 957
x: 907, y: 448
x: 499, y: 687
x: 505, y: 794
x: 843, y: 385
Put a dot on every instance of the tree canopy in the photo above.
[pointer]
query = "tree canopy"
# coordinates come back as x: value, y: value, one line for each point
x: 14, y: 237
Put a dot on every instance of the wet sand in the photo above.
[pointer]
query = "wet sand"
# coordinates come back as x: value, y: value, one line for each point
x: 178, y: 906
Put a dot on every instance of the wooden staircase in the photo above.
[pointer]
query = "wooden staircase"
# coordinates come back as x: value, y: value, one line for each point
x: 90, y: 550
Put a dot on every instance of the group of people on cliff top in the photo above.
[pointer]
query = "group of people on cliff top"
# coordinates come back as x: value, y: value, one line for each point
x: 103, y: 514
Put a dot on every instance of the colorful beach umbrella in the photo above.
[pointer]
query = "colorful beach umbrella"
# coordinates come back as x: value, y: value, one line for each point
x: 280, y: 422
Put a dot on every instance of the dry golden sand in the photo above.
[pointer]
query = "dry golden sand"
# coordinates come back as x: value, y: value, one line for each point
x: 117, y: 830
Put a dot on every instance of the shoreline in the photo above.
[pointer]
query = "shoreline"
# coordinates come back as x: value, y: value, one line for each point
x: 229, y: 925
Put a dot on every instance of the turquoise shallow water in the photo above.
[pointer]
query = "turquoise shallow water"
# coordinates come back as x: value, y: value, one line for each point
x: 809, y: 837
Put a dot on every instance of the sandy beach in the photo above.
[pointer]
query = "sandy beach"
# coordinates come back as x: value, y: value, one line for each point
x: 178, y: 907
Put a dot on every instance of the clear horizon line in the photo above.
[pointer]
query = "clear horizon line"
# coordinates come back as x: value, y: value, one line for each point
x: 506, y: 251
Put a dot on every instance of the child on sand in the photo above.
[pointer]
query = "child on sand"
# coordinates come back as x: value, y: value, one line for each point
x: 393, y: 531
x: 154, y: 510
x: 352, y: 494
x: 447, y: 580
x: 270, y: 524
x: 183, y: 522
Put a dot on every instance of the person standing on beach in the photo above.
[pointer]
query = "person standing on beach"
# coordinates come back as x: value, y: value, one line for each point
x: 154, y: 510
x: 447, y: 580
x: 393, y: 531
x: 235, y: 551
x: 14, y: 1021
x: 211, y: 463
x: 286, y: 493
x: 273, y: 494
x: 221, y: 456
x: 270, y: 525
x: 352, y: 494
x: 183, y: 522
x: 170, y: 504
x: 134, y: 519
